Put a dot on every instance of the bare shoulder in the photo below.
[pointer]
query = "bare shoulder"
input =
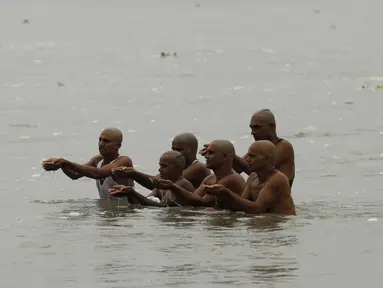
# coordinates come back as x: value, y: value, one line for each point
x: 94, y: 160
x: 280, y: 179
x: 125, y: 161
x: 232, y: 179
x: 186, y: 184
x: 208, y: 178
x: 286, y: 146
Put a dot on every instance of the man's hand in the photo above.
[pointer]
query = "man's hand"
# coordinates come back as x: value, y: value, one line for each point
x: 123, y: 171
x: 162, y: 183
x: 120, y: 190
x: 204, y: 150
x: 215, y: 190
x: 49, y: 164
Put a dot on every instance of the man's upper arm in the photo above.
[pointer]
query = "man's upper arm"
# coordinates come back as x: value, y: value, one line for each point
x: 187, y: 186
x: 270, y: 193
x: 94, y: 161
x: 234, y: 183
x: 122, y: 161
x: 286, y: 152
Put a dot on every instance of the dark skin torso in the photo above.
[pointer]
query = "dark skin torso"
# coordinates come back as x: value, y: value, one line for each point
x: 196, y: 173
x: 274, y: 193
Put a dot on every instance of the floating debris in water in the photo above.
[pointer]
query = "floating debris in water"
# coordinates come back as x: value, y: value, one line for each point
x: 57, y: 133
x: 168, y: 54
x: 349, y: 102
x: 60, y: 84
x: 379, y: 87
x: 372, y: 219
x: 24, y: 125
x: 300, y: 135
x: 316, y: 11
x: 310, y: 128
x: 26, y: 21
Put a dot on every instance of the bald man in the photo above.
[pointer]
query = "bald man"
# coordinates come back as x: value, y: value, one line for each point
x: 267, y: 189
x: 195, y: 171
x: 219, y: 158
x: 263, y: 127
x: 100, y: 166
x: 171, y: 163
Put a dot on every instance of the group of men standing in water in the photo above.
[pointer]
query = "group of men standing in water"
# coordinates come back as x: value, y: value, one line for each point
x: 185, y: 181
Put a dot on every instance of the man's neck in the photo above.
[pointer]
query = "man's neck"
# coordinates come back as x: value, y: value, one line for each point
x: 274, y: 139
x: 110, y: 157
x: 222, y: 171
x: 265, y: 174
x: 175, y: 178
x: 189, y: 160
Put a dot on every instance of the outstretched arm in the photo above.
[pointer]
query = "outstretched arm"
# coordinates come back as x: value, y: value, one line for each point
x: 75, y: 175
x: 94, y: 172
x: 266, y: 199
x: 124, y: 191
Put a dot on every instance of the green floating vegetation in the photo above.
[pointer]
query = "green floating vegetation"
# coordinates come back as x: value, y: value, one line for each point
x: 60, y: 84
x: 368, y: 86
x: 168, y: 54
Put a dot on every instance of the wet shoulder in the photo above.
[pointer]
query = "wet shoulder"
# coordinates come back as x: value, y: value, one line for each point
x: 280, y: 179
x: 186, y: 184
x: 285, y: 145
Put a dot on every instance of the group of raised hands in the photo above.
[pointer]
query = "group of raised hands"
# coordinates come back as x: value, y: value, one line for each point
x: 158, y: 183
x: 53, y: 164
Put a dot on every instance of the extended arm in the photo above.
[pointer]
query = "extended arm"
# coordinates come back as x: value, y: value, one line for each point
x: 97, y: 173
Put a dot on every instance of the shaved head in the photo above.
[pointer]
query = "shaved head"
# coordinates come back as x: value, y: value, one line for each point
x: 114, y: 134
x: 174, y: 157
x: 187, y: 139
x: 224, y: 146
x: 265, y: 116
x: 264, y: 148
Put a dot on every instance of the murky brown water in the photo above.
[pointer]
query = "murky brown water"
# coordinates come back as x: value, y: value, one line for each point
x: 80, y: 66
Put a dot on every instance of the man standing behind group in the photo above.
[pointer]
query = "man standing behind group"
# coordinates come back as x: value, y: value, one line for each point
x: 195, y: 171
x: 100, y: 166
x: 263, y: 127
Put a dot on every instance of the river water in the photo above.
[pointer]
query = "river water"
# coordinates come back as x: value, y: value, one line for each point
x: 68, y: 69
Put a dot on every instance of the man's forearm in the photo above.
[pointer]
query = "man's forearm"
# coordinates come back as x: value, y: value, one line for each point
x: 237, y: 203
x: 88, y: 171
x: 71, y: 174
x: 142, y: 179
x: 188, y: 198
x: 240, y: 165
x: 142, y: 200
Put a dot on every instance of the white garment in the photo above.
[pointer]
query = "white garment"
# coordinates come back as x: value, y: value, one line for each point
x: 154, y: 199
x: 103, y: 189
